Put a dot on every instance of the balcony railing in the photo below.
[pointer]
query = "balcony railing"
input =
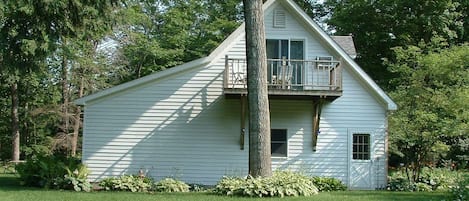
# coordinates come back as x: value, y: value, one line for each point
x: 323, y: 74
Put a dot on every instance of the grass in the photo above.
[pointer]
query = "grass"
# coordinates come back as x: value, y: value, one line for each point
x: 10, y: 190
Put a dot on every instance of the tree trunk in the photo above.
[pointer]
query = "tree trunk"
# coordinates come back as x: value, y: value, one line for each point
x: 65, y: 89
x: 15, y: 122
x: 76, y: 126
x: 258, y: 102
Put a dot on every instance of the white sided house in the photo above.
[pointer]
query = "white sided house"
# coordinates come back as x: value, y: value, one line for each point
x: 328, y: 117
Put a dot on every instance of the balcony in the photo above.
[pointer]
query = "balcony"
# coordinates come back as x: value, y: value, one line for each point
x: 289, y: 78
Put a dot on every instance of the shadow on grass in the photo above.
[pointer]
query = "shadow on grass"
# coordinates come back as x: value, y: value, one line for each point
x: 11, y: 182
x: 393, y: 196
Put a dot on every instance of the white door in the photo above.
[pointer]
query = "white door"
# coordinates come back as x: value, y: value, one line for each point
x: 361, y: 171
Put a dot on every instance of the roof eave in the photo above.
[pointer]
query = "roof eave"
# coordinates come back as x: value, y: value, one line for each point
x: 149, y: 78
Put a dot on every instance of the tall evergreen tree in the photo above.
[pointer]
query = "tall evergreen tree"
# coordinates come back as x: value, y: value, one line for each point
x: 29, y: 33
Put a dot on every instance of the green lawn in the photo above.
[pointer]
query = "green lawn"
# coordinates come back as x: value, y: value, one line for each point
x: 11, y: 191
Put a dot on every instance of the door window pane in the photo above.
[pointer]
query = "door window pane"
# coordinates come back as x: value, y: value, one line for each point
x: 361, y: 147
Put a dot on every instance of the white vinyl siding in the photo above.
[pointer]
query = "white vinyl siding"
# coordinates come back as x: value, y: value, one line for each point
x: 180, y: 126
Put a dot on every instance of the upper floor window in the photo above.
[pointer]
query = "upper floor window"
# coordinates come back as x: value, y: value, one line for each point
x: 285, y: 73
x: 278, y: 49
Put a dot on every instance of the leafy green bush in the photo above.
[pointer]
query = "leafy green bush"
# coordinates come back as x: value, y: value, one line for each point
x: 282, y: 183
x: 45, y: 170
x: 441, y: 179
x: 171, y: 185
x: 75, y: 180
x: 423, y: 187
x: 431, y: 179
x: 326, y: 184
x: 400, y: 184
x: 199, y: 187
x: 127, y: 183
x: 461, y: 191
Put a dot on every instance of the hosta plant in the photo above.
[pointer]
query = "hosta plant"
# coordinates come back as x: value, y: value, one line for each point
x: 282, y: 183
x: 171, y: 185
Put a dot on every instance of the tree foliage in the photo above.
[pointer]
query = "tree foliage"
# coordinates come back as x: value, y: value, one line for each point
x: 56, y: 51
x: 154, y: 35
x: 432, y: 91
x: 379, y: 25
x: 30, y: 31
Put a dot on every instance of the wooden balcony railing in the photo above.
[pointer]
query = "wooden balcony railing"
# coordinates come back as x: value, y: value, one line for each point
x: 289, y: 75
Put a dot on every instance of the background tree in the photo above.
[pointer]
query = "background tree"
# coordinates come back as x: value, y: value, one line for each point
x: 29, y: 32
x: 154, y: 35
x: 432, y: 94
x: 379, y: 25
x: 258, y: 101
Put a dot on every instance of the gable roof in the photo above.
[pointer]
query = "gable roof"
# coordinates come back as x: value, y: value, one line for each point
x: 297, y: 11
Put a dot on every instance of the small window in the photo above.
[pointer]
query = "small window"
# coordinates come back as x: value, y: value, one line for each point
x: 279, y: 142
x: 361, y: 146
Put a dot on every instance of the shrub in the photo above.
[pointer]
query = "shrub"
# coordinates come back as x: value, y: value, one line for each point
x: 75, y: 180
x: 422, y: 187
x: 400, y: 184
x: 199, y: 187
x: 431, y: 179
x: 461, y: 191
x: 171, y: 185
x: 282, y: 183
x: 45, y: 170
x: 442, y: 179
x: 230, y: 186
x: 131, y: 183
x: 326, y: 184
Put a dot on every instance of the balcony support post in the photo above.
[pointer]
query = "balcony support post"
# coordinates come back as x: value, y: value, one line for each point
x: 317, y: 106
x: 225, y: 75
x: 243, y: 120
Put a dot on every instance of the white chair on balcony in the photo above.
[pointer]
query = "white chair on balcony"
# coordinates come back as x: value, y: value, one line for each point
x: 285, y: 77
x: 240, y: 78
x: 238, y: 75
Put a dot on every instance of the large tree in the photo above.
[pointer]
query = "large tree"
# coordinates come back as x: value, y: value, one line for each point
x: 29, y: 32
x: 432, y: 93
x: 258, y: 102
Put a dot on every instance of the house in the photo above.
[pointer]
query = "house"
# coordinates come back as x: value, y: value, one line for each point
x: 328, y: 117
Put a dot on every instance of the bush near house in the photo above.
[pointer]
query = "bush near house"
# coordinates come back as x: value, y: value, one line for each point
x: 282, y: 183
x: 132, y: 183
x: 141, y: 183
x: 54, y: 171
x: 327, y: 184
x: 170, y: 185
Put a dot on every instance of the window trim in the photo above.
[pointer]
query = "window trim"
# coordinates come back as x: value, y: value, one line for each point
x: 289, y: 40
x: 284, y: 142
x: 362, y: 145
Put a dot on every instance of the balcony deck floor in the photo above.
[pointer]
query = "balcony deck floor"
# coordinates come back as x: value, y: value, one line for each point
x: 287, y: 93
